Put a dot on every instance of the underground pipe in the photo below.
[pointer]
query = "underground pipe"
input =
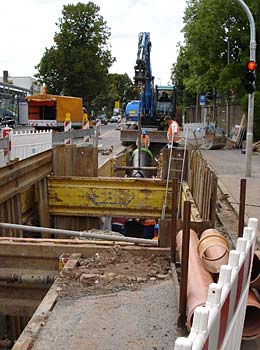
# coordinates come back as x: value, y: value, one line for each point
x: 145, y: 169
x: 198, y: 278
x: 252, y: 320
x: 55, y: 231
x: 213, y: 249
x: 26, y: 278
x: 255, y: 275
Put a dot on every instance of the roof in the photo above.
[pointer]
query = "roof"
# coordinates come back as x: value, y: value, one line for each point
x: 49, y: 97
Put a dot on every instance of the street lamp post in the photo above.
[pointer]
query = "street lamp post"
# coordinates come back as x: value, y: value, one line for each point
x: 250, y: 118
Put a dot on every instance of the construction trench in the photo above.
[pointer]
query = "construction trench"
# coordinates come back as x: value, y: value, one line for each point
x: 56, y: 254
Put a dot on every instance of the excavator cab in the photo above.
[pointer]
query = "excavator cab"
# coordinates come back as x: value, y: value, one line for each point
x: 165, y: 101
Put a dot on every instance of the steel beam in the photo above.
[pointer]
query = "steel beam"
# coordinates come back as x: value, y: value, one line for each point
x: 154, y: 136
x: 59, y: 137
x: 107, y: 196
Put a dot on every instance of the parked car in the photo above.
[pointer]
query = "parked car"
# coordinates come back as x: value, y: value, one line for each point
x: 114, y: 118
x: 102, y: 118
x: 7, y: 121
x: 7, y: 118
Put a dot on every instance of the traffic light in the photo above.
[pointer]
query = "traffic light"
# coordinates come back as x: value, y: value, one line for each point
x: 209, y: 96
x: 249, y: 81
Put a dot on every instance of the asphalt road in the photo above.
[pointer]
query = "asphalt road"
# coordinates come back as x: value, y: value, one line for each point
x: 109, y: 136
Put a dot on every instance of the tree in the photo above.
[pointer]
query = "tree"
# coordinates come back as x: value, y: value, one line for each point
x: 77, y: 64
x: 119, y: 87
x: 210, y: 28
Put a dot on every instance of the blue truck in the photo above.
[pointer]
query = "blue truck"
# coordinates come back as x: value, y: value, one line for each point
x: 131, y: 113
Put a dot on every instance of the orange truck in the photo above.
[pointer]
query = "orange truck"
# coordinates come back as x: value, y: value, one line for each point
x: 49, y: 111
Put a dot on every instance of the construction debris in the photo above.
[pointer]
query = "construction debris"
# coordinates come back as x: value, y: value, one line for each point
x: 112, y: 271
x: 256, y: 146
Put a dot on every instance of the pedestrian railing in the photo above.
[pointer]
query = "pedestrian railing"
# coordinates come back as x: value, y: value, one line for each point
x: 23, y: 144
x: 198, y: 128
x: 219, y: 324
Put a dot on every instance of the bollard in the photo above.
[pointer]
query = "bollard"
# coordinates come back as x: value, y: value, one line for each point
x: 5, y: 133
x: 118, y: 126
x: 97, y: 132
x: 242, y: 204
x: 85, y: 126
x: 67, y: 128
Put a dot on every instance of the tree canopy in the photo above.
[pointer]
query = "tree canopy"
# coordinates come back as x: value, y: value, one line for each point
x: 216, y: 47
x: 78, y: 62
x: 119, y: 87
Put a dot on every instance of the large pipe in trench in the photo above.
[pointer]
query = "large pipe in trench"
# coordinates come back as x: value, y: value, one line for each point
x: 146, y: 161
x: 255, y: 275
x: 198, y: 278
x: 252, y: 319
x: 55, y: 231
x: 213, y: 249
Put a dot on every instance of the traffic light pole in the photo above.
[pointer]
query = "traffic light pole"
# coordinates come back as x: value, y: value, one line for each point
x: 250, y: 118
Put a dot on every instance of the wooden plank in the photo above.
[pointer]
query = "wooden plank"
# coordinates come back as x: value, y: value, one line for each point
x: 28, y: 205
x: 43, y: 206
x: 20, y: 176
x: 213, y: 204
x: 154, y: 136
x: 85, y: 161
x: 195, y: 214
x: 164, y: 233
x: 43, y: 255
x: 70, y: 160
x: 78, y: 223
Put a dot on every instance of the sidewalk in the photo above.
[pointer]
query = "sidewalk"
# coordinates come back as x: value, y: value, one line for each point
x: 229, y: 166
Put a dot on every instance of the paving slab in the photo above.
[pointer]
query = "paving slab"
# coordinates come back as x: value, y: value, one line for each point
x: 230, y: 166
x: 139, y: 320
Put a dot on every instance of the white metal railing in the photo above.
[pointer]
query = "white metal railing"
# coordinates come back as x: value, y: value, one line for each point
x: 219, y: 325
x: 199, y: 128
x: 2, y: 158
x: 25, y: 143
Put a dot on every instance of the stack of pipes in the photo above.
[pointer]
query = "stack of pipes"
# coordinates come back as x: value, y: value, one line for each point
x: 206, y: 255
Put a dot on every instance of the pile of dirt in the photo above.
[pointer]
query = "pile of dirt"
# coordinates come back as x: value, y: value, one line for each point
x: 111, y: 271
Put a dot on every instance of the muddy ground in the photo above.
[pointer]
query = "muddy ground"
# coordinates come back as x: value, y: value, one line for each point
x: 112, y: 271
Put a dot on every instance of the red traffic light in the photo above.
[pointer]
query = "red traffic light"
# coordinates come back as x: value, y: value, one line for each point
x: 251, y: 65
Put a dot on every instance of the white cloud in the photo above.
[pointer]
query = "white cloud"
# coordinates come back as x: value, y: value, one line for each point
x: 29, y: 27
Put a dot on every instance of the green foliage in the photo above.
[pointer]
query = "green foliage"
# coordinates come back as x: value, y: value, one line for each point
x: 211, y: 27
x: 77, y: 64
x: 119, y: 87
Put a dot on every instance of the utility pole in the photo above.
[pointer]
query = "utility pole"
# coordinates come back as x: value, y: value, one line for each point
x: 250, y: 118
x: 227, y: 99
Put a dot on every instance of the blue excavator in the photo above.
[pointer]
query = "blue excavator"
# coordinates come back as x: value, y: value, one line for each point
x: 155, y: 101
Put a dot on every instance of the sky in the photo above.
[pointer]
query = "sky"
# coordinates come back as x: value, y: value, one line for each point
x: 28, y: 27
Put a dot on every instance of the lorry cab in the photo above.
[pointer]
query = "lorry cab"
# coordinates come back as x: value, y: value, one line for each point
x: 131, y: 113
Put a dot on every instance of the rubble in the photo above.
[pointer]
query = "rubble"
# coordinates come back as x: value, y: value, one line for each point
x: 112, y: 271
